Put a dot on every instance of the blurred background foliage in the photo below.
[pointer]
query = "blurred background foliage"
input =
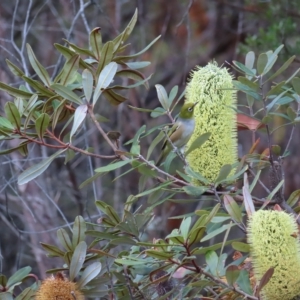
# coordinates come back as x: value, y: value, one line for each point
x: 192, y: 33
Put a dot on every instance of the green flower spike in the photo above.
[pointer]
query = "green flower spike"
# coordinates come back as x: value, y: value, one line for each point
x: 274, y: 242
x: 212, y: 87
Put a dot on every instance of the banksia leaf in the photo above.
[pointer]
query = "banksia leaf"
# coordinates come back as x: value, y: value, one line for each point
x: 58, y: 287
x: 215, y: 113
x: 274, y: 243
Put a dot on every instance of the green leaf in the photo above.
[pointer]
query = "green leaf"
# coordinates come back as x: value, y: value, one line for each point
x: 282, y: 68
x: 36, y: 170
x: 106, y: 56
x: 159, y: 254
x: 173, y: 94
x: 79, y: 116
x: 113, y: 166
x: 113, y: 97
x: 249, y: 60
x: 79, y: 50
x: 157, y: 112
x: 66, y: 93
x: 96, y: 42
x: 130, y: 26
x: 196, y: 235
x: 232, y: 274
x: 195, y: 190
x: 277, y: 188
x: 293, y: 198
x: 78, y: 259
x: 233, y: 209
x: 41, y: 124
x: 14, y: 69
x: 261, y: 63
x: 105, y: 78
x: 18, y: 276
x: 14, y: 92
x: 6, y: 123
x: 212, y: 260
x: 207, y: 217
x: 38, y: 68
x: 276, y: 89
x: 89, y: 274
x: 224, y: 172
x: 6, y: 296
x: 124, y: 58
x: 133, y: 74
x: 162, y: 96
x: 87, y: 84
x: 69, y: 70
x: 296, y: 84
x: 216, y: 232
x: 27, y: 294
x: 13, y: 114
x: 64, y: 239
x: 196, y: 175
x: 137, y: 64
x: 242, y: 68
x: 79, y: 229
x: 251, y: 85
x: 154, y: 143
x: 112, y: 214
x: 198, y: 142
x: 135, y: 148
x: 185, y: 226
x: 53, y: 251
x: 242, y: 247
x: 244, y: 282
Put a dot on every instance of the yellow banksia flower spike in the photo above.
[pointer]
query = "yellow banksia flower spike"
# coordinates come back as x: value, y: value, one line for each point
x: 58, y: 287
x: 211, y: 86
x: 274, y: 242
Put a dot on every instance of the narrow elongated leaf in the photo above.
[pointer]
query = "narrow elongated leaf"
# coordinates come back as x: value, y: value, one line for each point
x: 41, y: 124
x: 113, y: 97
x: 264, y: 280
x: 216, y: 232
x: 282, y: 68
x: 249, y: 206
x: 185, y: 226
x: 130, y: 26
x: 96, y: 41
x: 80, y: 50
x: 14, y: 92
x: 18, y: 276
x: 276, y: 99
x: 6, y: 123
x: 66, y: 93
x: 64, y: 239
x: 89, y: 273
x: 277, y: 188
x: 159, y: 254
x: 242, y: 68
x: 79, y: 229
x: 212, y: 259
x: 162, y: 96
x: 232, y: 208
x: 125, y: 58
x: 38, y: 86
x: 79, y: 116
x: 69, y: 70
x: 198, y: 142
x: 77, y: 261
x: 87, y: 84
x: 106, y: 56
x: 249, y: 61
x: 172, y: 95
x: 293, y: 198
x: 113, y: 166
x: 36, y: 170
x: 53, y: 251
x: 38, y: 68
x: 244, y: 282
x: 105, y: 78
x: 154, y: 143
x: 224, y: 172
x: 138, y: 64
x: 27, y: 294
x: 13, y: 114
x: 196, y: 235
x: 133, y: 74
x: 242, y: 247
x: 261, y: 63
x: 14, y: 69
x: 296, y: 84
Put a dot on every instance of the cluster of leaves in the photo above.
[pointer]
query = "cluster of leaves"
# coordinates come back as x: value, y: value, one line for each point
x: 119, y: 261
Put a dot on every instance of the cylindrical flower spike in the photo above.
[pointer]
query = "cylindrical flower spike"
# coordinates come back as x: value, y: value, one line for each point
x: 211, y: 86
x: 274, y: 242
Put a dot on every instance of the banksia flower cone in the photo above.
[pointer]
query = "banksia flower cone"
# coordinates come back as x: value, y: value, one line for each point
x: 58, y: 287
x: 274, y: 242
x: 212, y: 88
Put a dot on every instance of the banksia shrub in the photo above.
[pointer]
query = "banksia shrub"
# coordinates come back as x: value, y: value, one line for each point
x: 212, y: 87
x: 274, y: 242
x: 58, y: 287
